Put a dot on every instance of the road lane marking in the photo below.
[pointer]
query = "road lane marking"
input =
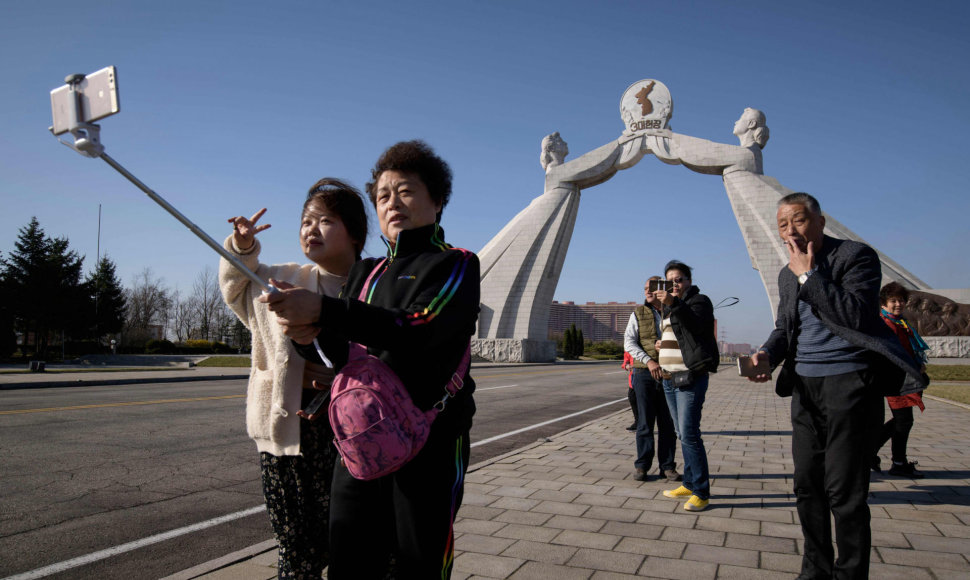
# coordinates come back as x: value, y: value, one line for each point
x: 493, y: 388
x: 90, y: 558
x: 544, y: 423
x: 616, y: 372
x: 123, y: 404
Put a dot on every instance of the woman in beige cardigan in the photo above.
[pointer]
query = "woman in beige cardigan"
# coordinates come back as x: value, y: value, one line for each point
x: 296, y: 457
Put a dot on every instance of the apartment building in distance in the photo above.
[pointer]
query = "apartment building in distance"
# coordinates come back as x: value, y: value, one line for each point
x: 602, y: 322
x: 734, y: 348
x: 599, y: 322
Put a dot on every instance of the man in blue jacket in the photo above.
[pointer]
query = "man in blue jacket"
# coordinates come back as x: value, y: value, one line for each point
x: 837, y: 359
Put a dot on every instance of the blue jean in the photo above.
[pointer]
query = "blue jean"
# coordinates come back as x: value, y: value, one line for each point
x: 685, y: 405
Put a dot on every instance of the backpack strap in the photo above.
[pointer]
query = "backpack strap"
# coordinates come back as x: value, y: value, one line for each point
x: 457, y: 379
x: 456, y: 382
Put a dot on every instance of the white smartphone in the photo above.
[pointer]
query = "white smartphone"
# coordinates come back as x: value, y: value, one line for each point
x: 99, y: 99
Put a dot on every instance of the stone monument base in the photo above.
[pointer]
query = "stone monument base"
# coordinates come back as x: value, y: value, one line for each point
x: 514, y: 349
x: 947, y: 346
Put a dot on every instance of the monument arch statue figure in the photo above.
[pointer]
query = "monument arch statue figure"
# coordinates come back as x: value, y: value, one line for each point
x: 754, y: 196
x: 521, y: 265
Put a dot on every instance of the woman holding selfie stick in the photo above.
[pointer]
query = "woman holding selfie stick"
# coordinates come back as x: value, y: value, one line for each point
x: 418, y: 316
x: 296, y: 456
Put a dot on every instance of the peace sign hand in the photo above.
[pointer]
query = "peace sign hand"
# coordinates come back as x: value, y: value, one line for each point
x: 244, y: 230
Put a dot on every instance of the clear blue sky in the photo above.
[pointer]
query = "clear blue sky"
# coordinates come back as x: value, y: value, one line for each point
x: 232, y: 106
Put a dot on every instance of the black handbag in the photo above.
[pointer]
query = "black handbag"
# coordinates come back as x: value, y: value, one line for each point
x: 681, y: 379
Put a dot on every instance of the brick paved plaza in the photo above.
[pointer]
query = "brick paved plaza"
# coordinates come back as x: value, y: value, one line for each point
x: 568, y: 508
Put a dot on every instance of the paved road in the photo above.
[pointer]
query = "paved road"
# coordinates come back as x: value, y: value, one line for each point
x: 90, y: 468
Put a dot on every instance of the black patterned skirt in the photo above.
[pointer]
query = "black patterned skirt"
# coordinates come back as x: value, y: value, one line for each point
x: 297, y: 492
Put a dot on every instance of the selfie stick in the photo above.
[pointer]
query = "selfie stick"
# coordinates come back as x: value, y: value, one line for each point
x: 87, y: 142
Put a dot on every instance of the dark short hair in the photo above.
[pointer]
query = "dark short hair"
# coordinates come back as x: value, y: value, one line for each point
x: 802, y: 198
x: 345, y: 201
x: 678, y: 265
x: 893, y: 290
x: 419, y: 158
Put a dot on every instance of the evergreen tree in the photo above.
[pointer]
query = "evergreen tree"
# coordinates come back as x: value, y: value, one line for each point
x: 571, y: 348
x: 580, y: 344
x: 108, y: 297
x: 8, y: 338
x: 43, y: 281
x: 240, y: 337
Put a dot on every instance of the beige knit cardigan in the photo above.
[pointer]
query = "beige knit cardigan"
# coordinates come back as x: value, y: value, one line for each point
x: 275, y: 387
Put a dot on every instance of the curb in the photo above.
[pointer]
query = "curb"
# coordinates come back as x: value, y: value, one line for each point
x: 223, y: 562
x: 947, y: 401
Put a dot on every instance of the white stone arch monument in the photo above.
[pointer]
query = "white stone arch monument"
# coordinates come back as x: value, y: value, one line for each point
x: 521, y: 265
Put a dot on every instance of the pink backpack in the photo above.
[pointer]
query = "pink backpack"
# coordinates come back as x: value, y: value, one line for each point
x: 377, y: 427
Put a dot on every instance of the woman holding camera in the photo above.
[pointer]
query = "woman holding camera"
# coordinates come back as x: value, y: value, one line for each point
x: 296, y: 458
x: 688, y: 353
x: 418, y: 316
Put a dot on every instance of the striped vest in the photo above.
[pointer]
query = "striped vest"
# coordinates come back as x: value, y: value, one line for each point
x: 671, y: 359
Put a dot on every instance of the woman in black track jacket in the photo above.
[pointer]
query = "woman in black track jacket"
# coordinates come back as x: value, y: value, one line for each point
x: 418, y: 315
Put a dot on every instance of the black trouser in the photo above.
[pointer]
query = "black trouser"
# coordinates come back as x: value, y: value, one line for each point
x: 897, y: 429
x: 408, y: 513
x: 834, y: 420
x: 297, y: 492
x: 631, y: 396
x: 652, y: 409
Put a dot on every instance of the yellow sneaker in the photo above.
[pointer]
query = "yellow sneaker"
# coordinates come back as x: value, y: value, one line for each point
x: 696, y: 504
x: 678, y: 493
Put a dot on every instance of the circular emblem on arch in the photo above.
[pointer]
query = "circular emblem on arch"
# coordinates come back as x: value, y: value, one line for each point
x: 646, y: 105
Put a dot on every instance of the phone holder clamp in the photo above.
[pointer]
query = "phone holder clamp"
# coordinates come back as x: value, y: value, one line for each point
x: 87, y: 136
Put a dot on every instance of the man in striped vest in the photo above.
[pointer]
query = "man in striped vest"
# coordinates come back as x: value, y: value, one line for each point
x: 639, y: 340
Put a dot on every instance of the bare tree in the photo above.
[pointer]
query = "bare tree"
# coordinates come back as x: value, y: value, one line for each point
x: 207, y: 302
x: 224, y: 324
x: 183, y: 316
x: 147, y: 308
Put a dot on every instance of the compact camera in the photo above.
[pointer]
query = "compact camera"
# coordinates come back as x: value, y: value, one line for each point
x: 665, y: 285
